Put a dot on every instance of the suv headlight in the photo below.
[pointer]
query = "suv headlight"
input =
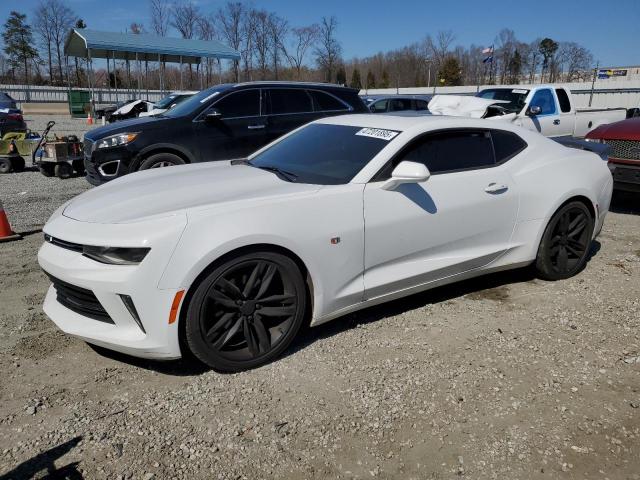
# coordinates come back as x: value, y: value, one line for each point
x: 116, y: 140
x: 115, y: 255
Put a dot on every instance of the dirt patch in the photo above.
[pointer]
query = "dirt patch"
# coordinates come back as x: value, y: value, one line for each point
x: 497, y: 294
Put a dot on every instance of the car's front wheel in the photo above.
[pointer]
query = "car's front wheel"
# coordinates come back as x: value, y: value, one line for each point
x: 246, y: 312
x: 160, y: 160
x: 565, y: 243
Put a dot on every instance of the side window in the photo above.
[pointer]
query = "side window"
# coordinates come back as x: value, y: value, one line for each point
x: 563, y: 100
x: 544, y: 99
x: 400, y: 104
x: 449, y: 151
x: 239, y: 104
x: 379, y: 106
x: 421, y: 105
x: 289, y: 100
x: 323, y: 102
x: 506, y: 145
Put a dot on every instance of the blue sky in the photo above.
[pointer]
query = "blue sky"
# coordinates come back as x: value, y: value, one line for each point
x: 610, y: 29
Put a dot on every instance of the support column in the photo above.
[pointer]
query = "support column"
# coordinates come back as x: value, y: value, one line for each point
x: 181, y: 72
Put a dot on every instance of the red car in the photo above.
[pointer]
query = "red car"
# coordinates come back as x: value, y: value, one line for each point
x: 624, y: 159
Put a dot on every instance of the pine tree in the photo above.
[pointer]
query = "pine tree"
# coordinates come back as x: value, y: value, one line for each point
x: 341, y: 76
x: 385, y: 79
x: 451, y: 72
x: 356, y: 82
x: 18, y: 42
x: 371, y: 80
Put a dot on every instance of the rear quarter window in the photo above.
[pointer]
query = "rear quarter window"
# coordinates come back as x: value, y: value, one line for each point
x: 506, y: 145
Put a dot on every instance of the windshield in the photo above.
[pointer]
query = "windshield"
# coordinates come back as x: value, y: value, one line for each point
x: 175, y: 99
x: 324, y: 154
x: 194, y: 102
x: 515, y: 96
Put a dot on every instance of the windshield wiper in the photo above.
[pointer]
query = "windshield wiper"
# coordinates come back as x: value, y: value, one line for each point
x: 288, y: 176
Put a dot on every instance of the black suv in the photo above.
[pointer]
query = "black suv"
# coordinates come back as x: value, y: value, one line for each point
x: 223, y: 122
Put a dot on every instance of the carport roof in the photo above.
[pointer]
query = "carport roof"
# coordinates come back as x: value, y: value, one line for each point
x: 126, y: 45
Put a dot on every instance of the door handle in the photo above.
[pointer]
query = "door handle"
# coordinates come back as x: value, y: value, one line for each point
x: 495, y: 188
x: 256, y: 127
x: 556, y: 122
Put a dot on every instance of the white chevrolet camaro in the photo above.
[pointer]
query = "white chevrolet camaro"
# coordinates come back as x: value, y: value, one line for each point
x: 229, y: 259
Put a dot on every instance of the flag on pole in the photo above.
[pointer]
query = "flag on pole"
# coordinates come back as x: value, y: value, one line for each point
x: 488, y: 49
x: 489, y: 52
x: 489, y: 59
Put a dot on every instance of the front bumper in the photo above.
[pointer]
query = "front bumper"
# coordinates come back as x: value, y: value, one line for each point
x: 105, y: 165
x: 157, y: 338
x: 626, y: 177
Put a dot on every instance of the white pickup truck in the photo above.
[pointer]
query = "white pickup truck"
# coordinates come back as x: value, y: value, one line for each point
x: 548, y: 109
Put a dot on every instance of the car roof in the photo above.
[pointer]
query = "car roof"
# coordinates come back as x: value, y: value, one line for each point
x: 408, y: 122
x: 288, y: 84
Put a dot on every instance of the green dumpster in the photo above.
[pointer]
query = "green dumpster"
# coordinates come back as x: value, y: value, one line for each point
x: 79, y: 103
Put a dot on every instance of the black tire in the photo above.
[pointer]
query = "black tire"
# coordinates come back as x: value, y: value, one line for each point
x: 161, y: 160
x: 63, y: 170
x: 78, y: 167
x: 566, y: 242
x: 227, y: 325
x: 46, y: 169
x: 5, y: 165
x: 18, y: 164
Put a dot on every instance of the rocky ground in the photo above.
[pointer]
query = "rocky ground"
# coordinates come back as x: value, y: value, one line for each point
x: 504, y: 377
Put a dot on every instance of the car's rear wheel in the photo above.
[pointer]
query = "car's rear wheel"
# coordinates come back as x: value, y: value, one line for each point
x: 160, y: 160
x: 246, y: 312
x: 566, y: 241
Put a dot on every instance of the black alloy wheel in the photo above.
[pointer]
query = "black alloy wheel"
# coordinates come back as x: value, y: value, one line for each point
x: 246, y: 312
x: 566, y: 242
x: 161, y: 160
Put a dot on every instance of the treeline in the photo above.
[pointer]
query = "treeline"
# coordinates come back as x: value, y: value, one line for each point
x: 273, y: 49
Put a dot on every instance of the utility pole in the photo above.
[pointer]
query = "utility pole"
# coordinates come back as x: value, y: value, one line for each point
x: 593, y: 81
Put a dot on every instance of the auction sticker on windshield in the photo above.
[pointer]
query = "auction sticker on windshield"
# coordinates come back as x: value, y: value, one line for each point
x: 377, y: 133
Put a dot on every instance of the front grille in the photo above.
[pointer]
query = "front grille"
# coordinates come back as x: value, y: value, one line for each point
x: 625, y: 149
x: 76, y: 247
x: 79, y: 300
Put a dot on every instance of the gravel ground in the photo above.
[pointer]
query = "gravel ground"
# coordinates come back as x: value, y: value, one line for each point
x: 65, y: 125
x: 502, y: 377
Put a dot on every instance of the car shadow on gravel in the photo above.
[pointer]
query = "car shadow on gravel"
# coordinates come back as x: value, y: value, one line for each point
x: 45, y: 461
x: 625, y: 202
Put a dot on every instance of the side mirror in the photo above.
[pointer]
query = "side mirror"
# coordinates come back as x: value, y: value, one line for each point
x: 213, y: 116
x: 407, y: 172
x: 534, y: 110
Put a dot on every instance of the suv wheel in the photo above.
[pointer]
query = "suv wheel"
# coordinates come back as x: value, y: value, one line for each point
x: 160, y: 160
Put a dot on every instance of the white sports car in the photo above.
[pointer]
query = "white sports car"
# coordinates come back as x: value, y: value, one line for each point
x: 228, y: 260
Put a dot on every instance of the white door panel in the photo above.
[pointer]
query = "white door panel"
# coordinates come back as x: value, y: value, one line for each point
x: 452, y: 223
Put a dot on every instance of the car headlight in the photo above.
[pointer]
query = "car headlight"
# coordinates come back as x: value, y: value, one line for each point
x: 117, y: 140
x: 115, y: 255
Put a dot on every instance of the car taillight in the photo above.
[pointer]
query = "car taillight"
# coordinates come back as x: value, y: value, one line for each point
x: 15, y: 116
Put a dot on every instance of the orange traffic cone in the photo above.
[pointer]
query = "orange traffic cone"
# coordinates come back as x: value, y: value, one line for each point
x: 6, y: 233
x: 89, y: 119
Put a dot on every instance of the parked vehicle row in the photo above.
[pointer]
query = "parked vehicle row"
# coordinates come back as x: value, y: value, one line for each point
x: 397, y: 103
x: 223, y: 122
x: 547, y: 109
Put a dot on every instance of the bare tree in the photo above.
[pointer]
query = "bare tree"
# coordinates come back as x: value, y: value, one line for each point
x: 303, y: 38
x: 250, y: 21
x: 278, y: 30
x: 230, y: 18
x: 58, y: 19
x: 185, y: 18
x: 505, y: 44
x: 205, y: 30
x: 262, y: 41
x: 42, y: 24
x: 160, y: 17
x: 328, y: 50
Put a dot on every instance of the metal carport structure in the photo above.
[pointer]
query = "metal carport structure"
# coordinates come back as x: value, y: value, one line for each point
x: 93, y: 44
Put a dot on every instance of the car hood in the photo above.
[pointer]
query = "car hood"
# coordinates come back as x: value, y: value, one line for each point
x: 628, y: 129
x: 461, y: 105
x: 132, y: 125
x: 166, y: 191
